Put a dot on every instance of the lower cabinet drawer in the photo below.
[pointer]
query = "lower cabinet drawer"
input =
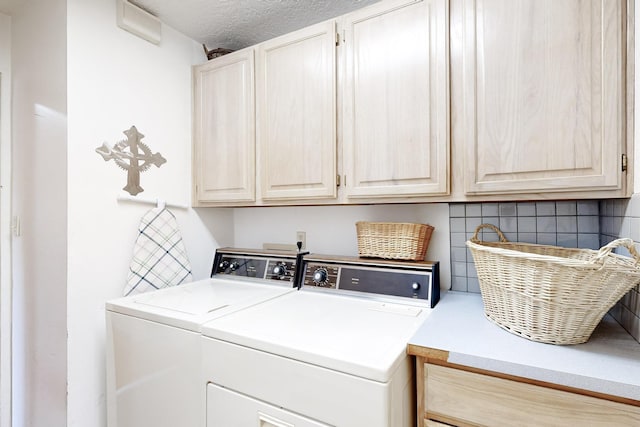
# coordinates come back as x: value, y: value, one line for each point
x: 459, y: 397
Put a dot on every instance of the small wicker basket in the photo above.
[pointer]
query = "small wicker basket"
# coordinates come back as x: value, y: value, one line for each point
x: 393, y: 240
x: 551, y: 294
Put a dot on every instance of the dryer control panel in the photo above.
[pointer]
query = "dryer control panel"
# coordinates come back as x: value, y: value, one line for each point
x: 247, y: 263
x: 417, y: 281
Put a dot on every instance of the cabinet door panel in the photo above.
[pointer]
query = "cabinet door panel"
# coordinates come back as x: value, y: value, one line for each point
x: 224, y: 129
x: 543, y: 95
x: 297, y: 114
x: 396, y: 99
x: 480, y: 400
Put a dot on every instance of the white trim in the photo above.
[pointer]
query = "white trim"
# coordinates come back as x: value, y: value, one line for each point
x: 5, y: 254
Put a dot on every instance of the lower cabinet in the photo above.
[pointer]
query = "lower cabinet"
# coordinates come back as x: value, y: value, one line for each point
x: 450, y: 396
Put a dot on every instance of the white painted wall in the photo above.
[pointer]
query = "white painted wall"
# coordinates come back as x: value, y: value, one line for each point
x: 331, y: 229
x: 5, y: 219
x: 39, y: 199
x: 116, y: 80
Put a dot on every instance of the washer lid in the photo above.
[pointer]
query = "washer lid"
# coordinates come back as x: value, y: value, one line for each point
x: 359, y: 336
x: 188, y: 306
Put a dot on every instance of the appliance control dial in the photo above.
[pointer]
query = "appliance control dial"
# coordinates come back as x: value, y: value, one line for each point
x: 321, y: 277
x: 415, y: 286
x: 234, y: 266
x: 223, y: 265
x: 280, y: 270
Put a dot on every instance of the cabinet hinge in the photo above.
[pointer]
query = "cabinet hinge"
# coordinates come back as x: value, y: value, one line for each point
x: 337, y: 180
x: 624, y: 163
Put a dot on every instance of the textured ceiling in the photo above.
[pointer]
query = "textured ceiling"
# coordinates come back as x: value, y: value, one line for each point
x: 234, y: 24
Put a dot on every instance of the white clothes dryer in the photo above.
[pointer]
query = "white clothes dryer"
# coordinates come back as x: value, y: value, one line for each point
x: 331, y: 354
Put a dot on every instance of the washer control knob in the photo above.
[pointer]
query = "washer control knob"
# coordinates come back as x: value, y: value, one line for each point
x: 223, y: 265
x: 320, y: 277
x: 234, y: 266
x: 415, y: 286
x: 280, y: 269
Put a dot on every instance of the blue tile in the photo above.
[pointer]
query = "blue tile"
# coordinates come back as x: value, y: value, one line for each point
x: 511, y: 237
x: 526, y: 209
x: 474, y: 210
x: 545, y: 224
x: 526, y: 224
x: 459, y: 269
x: 490, y: 209
x: 547, y: 239
x: 567, y: 240
x: 471, y: 270
x: 457, y: 210
x: 459, y: 284
x: 620, y: 207
x: 472, y: 224
x: 545, y: 208
x: 508, y: 209
x: 588, y: 207
x: 457, y: 225
x: 459, y: 254
x: 566, y: 208
x: 527, y: 237
x: 508, y: 224
x: 588, y: 241
x: 493, y: 220
x: 473, y: 285
x: 458, y: 239
x: 567, y: 224
x: 588, y: 224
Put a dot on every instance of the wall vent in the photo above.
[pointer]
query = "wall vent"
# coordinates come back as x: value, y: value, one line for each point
x: 138, y: 21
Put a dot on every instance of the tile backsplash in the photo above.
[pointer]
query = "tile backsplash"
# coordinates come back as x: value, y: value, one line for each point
x: 621, y: 218
x: 574, y: 224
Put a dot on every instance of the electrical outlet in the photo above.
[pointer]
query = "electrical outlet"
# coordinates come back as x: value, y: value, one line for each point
x: 301, y: 236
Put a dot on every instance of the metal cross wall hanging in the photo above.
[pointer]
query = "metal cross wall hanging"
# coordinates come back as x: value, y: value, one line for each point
x: 132, y: 155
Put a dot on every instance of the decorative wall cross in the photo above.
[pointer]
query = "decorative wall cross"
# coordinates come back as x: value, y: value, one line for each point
x: 132, y: 155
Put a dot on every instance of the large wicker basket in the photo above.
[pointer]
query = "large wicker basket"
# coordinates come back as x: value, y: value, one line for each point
x: 547, y: 293
x: 393, y: 240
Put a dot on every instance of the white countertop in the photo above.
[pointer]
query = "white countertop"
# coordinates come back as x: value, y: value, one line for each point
x: 608, y: 363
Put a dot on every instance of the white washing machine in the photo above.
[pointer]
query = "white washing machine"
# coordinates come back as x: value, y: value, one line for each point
x: 331, y: 354
x: 153, y: 353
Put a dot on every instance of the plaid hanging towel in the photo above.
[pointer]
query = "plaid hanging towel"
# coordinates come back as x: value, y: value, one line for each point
x: 159, y: 257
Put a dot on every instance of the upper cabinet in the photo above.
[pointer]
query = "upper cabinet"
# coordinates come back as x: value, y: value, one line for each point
x: 423, y: 100
x: 541, y: 106
x: 224, y: 130
x: 396, y: 100
x: 296, y: 125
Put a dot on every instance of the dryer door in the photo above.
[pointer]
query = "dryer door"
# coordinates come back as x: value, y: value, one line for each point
x: 230, y: 409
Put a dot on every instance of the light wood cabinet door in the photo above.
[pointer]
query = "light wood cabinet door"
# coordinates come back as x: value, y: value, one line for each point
x: 296, y: 125
x: 396, y: 99
x: 224, y: 129
x: 542, y: 105
x: 463, y: 398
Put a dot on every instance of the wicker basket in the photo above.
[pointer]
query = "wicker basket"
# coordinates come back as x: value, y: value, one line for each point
x: 393, y: 240
x: 547, y: 293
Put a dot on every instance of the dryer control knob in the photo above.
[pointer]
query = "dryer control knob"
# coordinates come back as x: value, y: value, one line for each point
x: 223, y: 265
x: 320, y: 277
x: 280, y: 270
x: 415, y: 286
x: 234, y: 266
